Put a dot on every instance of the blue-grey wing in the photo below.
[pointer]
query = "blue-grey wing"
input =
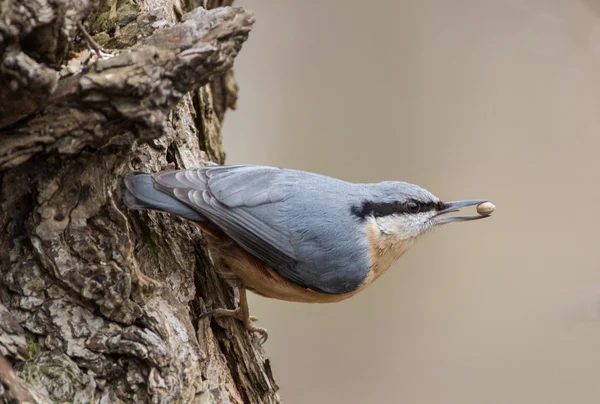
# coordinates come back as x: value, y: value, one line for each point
x: 274, y: 214
x: 229, y: 197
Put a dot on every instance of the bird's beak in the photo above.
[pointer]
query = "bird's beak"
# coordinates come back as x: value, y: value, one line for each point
x: 454, y: 207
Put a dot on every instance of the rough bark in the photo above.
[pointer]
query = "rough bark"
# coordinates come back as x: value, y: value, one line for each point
x: 97, y: 303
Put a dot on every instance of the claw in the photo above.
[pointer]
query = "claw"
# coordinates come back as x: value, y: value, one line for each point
x: 241, y: 313
x: 264, y: 335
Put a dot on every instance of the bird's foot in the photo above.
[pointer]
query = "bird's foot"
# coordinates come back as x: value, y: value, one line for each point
x: 241, y: 315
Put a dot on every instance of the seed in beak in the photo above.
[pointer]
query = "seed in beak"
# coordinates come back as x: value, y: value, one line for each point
x: 486, y: 208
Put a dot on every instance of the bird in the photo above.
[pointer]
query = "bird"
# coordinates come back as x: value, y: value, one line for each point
x: 294, y: 235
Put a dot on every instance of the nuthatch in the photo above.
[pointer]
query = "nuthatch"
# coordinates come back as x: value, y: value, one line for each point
x: 293, y: 235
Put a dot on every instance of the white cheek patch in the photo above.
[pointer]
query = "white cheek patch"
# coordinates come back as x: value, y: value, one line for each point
x: 381, y: 227
x: 404, y: 226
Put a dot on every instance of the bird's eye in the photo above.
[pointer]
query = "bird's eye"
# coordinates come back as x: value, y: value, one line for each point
x: 413, y: 207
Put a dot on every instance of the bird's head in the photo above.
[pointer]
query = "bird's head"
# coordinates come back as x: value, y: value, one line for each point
x: 406, y: 211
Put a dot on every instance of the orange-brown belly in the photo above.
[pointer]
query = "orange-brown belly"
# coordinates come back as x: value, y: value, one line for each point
x: 256, y: 276
x: 234, y: 263
x: 262, y: 280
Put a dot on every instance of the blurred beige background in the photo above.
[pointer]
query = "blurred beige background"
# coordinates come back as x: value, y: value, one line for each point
x: 470, y: 99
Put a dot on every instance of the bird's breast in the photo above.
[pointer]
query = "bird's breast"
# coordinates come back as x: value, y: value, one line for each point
x: 384, y: 250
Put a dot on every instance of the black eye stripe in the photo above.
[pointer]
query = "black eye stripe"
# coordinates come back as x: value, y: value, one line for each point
x: 379, y: 209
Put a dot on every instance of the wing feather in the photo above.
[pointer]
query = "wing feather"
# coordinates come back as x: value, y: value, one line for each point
x: 229, y: 196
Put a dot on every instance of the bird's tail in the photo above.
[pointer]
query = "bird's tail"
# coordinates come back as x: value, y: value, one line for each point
x: 142, y: 195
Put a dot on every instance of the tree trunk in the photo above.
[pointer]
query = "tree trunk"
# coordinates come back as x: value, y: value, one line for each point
x: 97, y: 303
